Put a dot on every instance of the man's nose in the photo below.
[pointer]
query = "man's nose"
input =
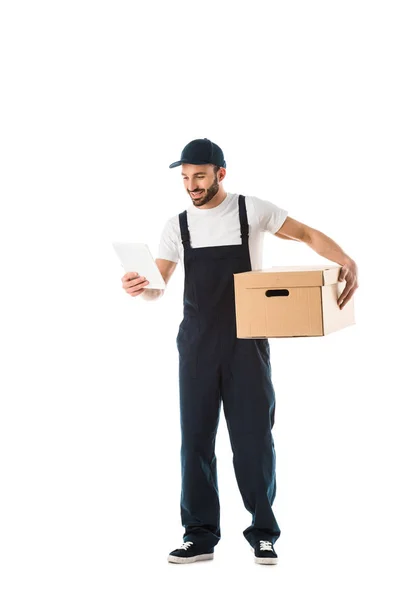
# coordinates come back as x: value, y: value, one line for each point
x: 192, y: 186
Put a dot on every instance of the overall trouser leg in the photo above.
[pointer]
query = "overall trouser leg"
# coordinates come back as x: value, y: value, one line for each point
x: 249, y: 406
x: 200, y: 408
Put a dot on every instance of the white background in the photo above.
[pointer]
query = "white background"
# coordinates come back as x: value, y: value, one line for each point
x: 97, y: 99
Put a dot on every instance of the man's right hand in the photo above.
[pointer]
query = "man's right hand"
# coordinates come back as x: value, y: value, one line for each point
x: 133, y: 283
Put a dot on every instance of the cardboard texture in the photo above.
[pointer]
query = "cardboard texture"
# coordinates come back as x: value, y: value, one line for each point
x: 298, y: 301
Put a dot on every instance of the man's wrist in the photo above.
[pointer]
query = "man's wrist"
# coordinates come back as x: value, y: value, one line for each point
x: 349, y: 263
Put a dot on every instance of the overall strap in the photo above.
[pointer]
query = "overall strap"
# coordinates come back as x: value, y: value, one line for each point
x: 183, y: 223
x: 244, y: 225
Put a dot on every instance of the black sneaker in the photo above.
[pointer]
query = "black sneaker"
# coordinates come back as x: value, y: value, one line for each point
x: 189, y: 552
x: 264, y: 553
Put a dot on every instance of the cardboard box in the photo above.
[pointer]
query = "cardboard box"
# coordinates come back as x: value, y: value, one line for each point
x: 290, y: 302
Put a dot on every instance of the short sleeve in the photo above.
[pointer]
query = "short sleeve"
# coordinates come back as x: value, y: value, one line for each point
x: 167, y: 248
x: 270, y: 216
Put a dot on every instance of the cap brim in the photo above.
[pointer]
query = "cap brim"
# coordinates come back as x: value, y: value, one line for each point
x: 188, y: 162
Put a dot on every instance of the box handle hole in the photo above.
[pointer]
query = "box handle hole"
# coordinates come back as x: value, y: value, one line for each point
x: 270, y: 293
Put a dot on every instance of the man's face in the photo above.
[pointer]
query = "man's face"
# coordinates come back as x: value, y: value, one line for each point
x: 201, y: 182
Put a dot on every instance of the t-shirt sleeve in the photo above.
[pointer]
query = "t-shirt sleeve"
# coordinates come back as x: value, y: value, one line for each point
x: 270, y: 216
x: 167, y: 248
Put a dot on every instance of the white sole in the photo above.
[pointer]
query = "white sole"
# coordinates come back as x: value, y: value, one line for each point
x: 189, y: 559
x: 266, y: 561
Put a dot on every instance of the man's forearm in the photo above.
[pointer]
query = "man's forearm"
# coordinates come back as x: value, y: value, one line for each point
x: 326, y: 247
x: 151, y: 294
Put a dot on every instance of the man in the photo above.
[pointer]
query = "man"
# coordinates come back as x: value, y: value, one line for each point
x: 218, y: 235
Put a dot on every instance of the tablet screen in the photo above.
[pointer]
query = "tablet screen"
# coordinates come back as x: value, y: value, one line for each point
x: 137, y: 257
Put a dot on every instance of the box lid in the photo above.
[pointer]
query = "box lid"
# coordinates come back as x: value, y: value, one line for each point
x: 296, y: 276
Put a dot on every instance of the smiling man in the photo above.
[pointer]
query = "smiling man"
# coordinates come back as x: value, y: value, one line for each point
x: 220, y: 234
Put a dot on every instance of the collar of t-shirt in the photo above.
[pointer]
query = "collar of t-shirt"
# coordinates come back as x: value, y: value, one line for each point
x: 195, y: 210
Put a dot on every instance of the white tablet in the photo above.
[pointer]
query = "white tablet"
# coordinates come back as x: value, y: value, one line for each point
x: 138, y: 258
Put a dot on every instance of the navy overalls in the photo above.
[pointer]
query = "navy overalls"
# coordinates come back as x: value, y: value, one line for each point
x: 215, y: 365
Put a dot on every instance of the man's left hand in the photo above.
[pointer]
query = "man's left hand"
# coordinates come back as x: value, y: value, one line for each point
x: 348, y: 273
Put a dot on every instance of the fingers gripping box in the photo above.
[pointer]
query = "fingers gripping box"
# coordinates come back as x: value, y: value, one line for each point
x: 298, y: 301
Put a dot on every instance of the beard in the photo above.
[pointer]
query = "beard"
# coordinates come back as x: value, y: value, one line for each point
x: 209, y: 195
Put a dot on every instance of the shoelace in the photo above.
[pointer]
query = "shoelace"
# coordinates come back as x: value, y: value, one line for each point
x: 265, y: 545
x: 186, y: 545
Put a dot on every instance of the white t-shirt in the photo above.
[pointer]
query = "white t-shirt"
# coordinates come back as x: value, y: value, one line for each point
x: 220, y: 226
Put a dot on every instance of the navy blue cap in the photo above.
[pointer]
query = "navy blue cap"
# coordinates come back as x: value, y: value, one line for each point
x: 201, y: 152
